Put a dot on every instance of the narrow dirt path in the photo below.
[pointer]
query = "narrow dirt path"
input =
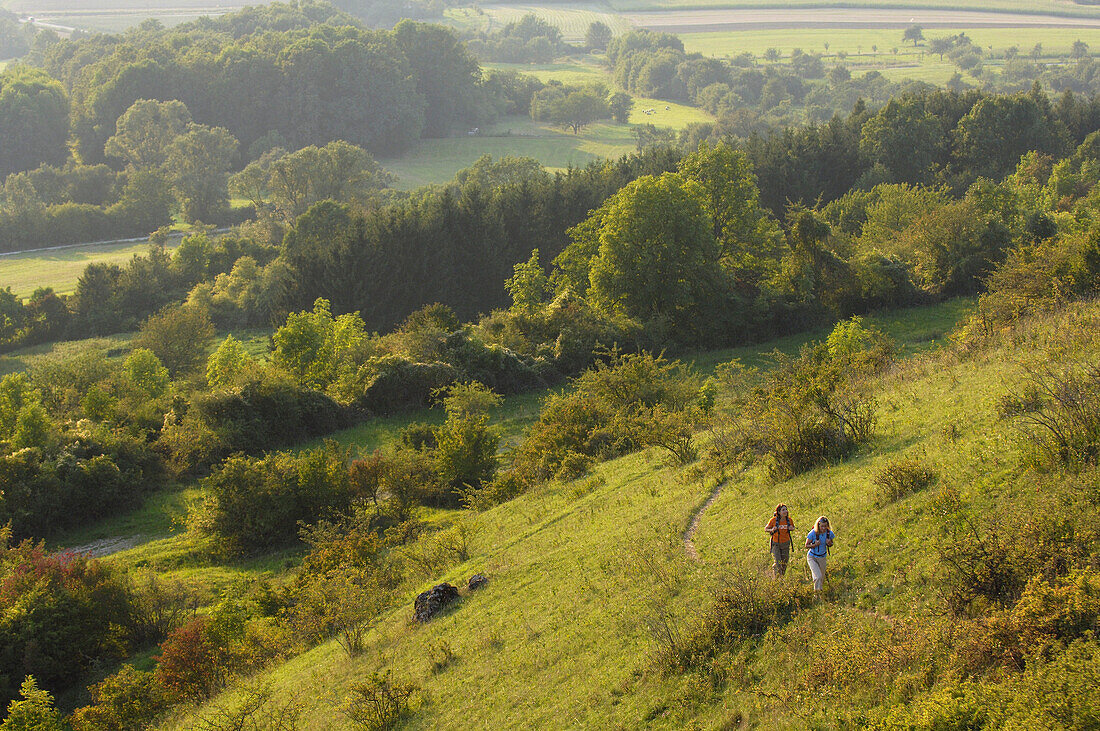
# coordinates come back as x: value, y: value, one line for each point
x: 689, y: 534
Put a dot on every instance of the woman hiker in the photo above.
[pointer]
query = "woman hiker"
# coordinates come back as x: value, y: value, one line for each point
x: 818, y: 542
x: 780, y: 527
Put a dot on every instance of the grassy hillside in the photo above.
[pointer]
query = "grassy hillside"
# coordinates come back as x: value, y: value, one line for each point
x: 591, y: 586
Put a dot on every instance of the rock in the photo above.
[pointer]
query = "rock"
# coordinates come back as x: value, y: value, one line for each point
x: 431, y: 602
x: 477, y: 581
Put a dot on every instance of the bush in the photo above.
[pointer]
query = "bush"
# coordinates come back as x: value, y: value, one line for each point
x: 59, y: 615
x: 250, y: 504
x: 900, y: 478
x: 380, y: 702
x: 631, y: 402
x: 129, y: 699
x: 749, y: 606
x: 1059, y: 414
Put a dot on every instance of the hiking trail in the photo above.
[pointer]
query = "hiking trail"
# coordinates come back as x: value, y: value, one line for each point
x: 689, y: 534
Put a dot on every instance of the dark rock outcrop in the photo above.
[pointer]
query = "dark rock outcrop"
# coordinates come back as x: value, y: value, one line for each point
x: 477, y: 581
x: 433, y: 601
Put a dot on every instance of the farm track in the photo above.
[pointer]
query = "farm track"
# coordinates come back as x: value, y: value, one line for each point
x: 686, y: 21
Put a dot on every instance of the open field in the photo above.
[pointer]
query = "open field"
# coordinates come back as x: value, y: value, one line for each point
x: 25, y: 272
x: 437, y: 161
x: 857, y: 43
x: 1064, y: 8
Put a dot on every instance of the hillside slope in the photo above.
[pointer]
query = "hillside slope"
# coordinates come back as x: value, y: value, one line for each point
x: 590, y: 587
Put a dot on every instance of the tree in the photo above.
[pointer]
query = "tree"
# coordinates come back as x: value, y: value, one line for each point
x: 145, y: 131
x: 941, y: 46
x: 743, y: 229
x: 34, y: 120
x: 657, y: 258
x: 529, y: 286
x: 339, y: 171
x: 35, y: 712
x: 913, y: 33
x: 577, y: 109
x: 597, y: 36
x: 1037, y: 51
x: 620, y: 104
x: 906, y: 139
x: 446, y: 74
x: 992, y: 136
x: 198, y: 163
x: 466, y: 445
x: 227, y: 364
x: 145, y: 373
x: 178, y: 336
x: 1080, y: 49
x: 771, y: 54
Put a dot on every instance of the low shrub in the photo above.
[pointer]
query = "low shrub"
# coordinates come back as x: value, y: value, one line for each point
x: 1058, y: 411
x: 748, y: 607
x: 129, y: 699
x: 380, y: 702
x: 900, y: 478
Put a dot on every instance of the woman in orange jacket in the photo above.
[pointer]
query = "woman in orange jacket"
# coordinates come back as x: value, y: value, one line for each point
x: 780, y: 527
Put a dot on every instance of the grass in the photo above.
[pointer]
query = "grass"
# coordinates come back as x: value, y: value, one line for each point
x: 1056, y: 42
x: 1038, y: 7
x: 437, y: 161
x: 24, y: 358
x: 588, y: 580
x: 25, y: 272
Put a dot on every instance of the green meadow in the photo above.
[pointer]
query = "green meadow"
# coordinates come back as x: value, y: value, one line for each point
x: 590, y: 582
x: 858, y: 44
x: 25, y: 272
x: 1037, y: 7
x: 437, y: 160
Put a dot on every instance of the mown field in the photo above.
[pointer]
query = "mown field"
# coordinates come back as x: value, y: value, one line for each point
x: 1039, y: 7
x: 437, y: 160
x: 858, y: 43
x: 590, y: 583
x: 25, y: 272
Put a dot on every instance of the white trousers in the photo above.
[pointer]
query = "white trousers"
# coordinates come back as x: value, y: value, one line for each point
x: 817, y: 568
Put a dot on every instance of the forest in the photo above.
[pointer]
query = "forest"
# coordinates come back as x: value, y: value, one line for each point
x: 710, y: 313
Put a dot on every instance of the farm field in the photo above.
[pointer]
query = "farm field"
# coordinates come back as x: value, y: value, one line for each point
x: 858, y: 43
x: 25, y: 272
x: 1031, y: 7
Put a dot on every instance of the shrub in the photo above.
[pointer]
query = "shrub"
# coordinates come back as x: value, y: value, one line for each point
x: 129, y: 699
x: 35, y: 712
x: 193, y: 663
x: 59, y: 615
x: 810, y: 410
x: 380, y: 702
x: 900, y: 478
x: 749, y: 606
x: 257, y: 710
x: 1059, y: 413
x: 249, y: 504
x: 340, y: 603
x: 630, y: 402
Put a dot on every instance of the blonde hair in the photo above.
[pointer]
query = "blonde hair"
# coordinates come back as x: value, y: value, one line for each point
x: 817, y: 525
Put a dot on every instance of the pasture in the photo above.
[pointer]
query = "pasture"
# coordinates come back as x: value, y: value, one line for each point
x: 1032, y: 7
x: 860, y: 43
x: 437, y: 160
x: 25, y: 272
